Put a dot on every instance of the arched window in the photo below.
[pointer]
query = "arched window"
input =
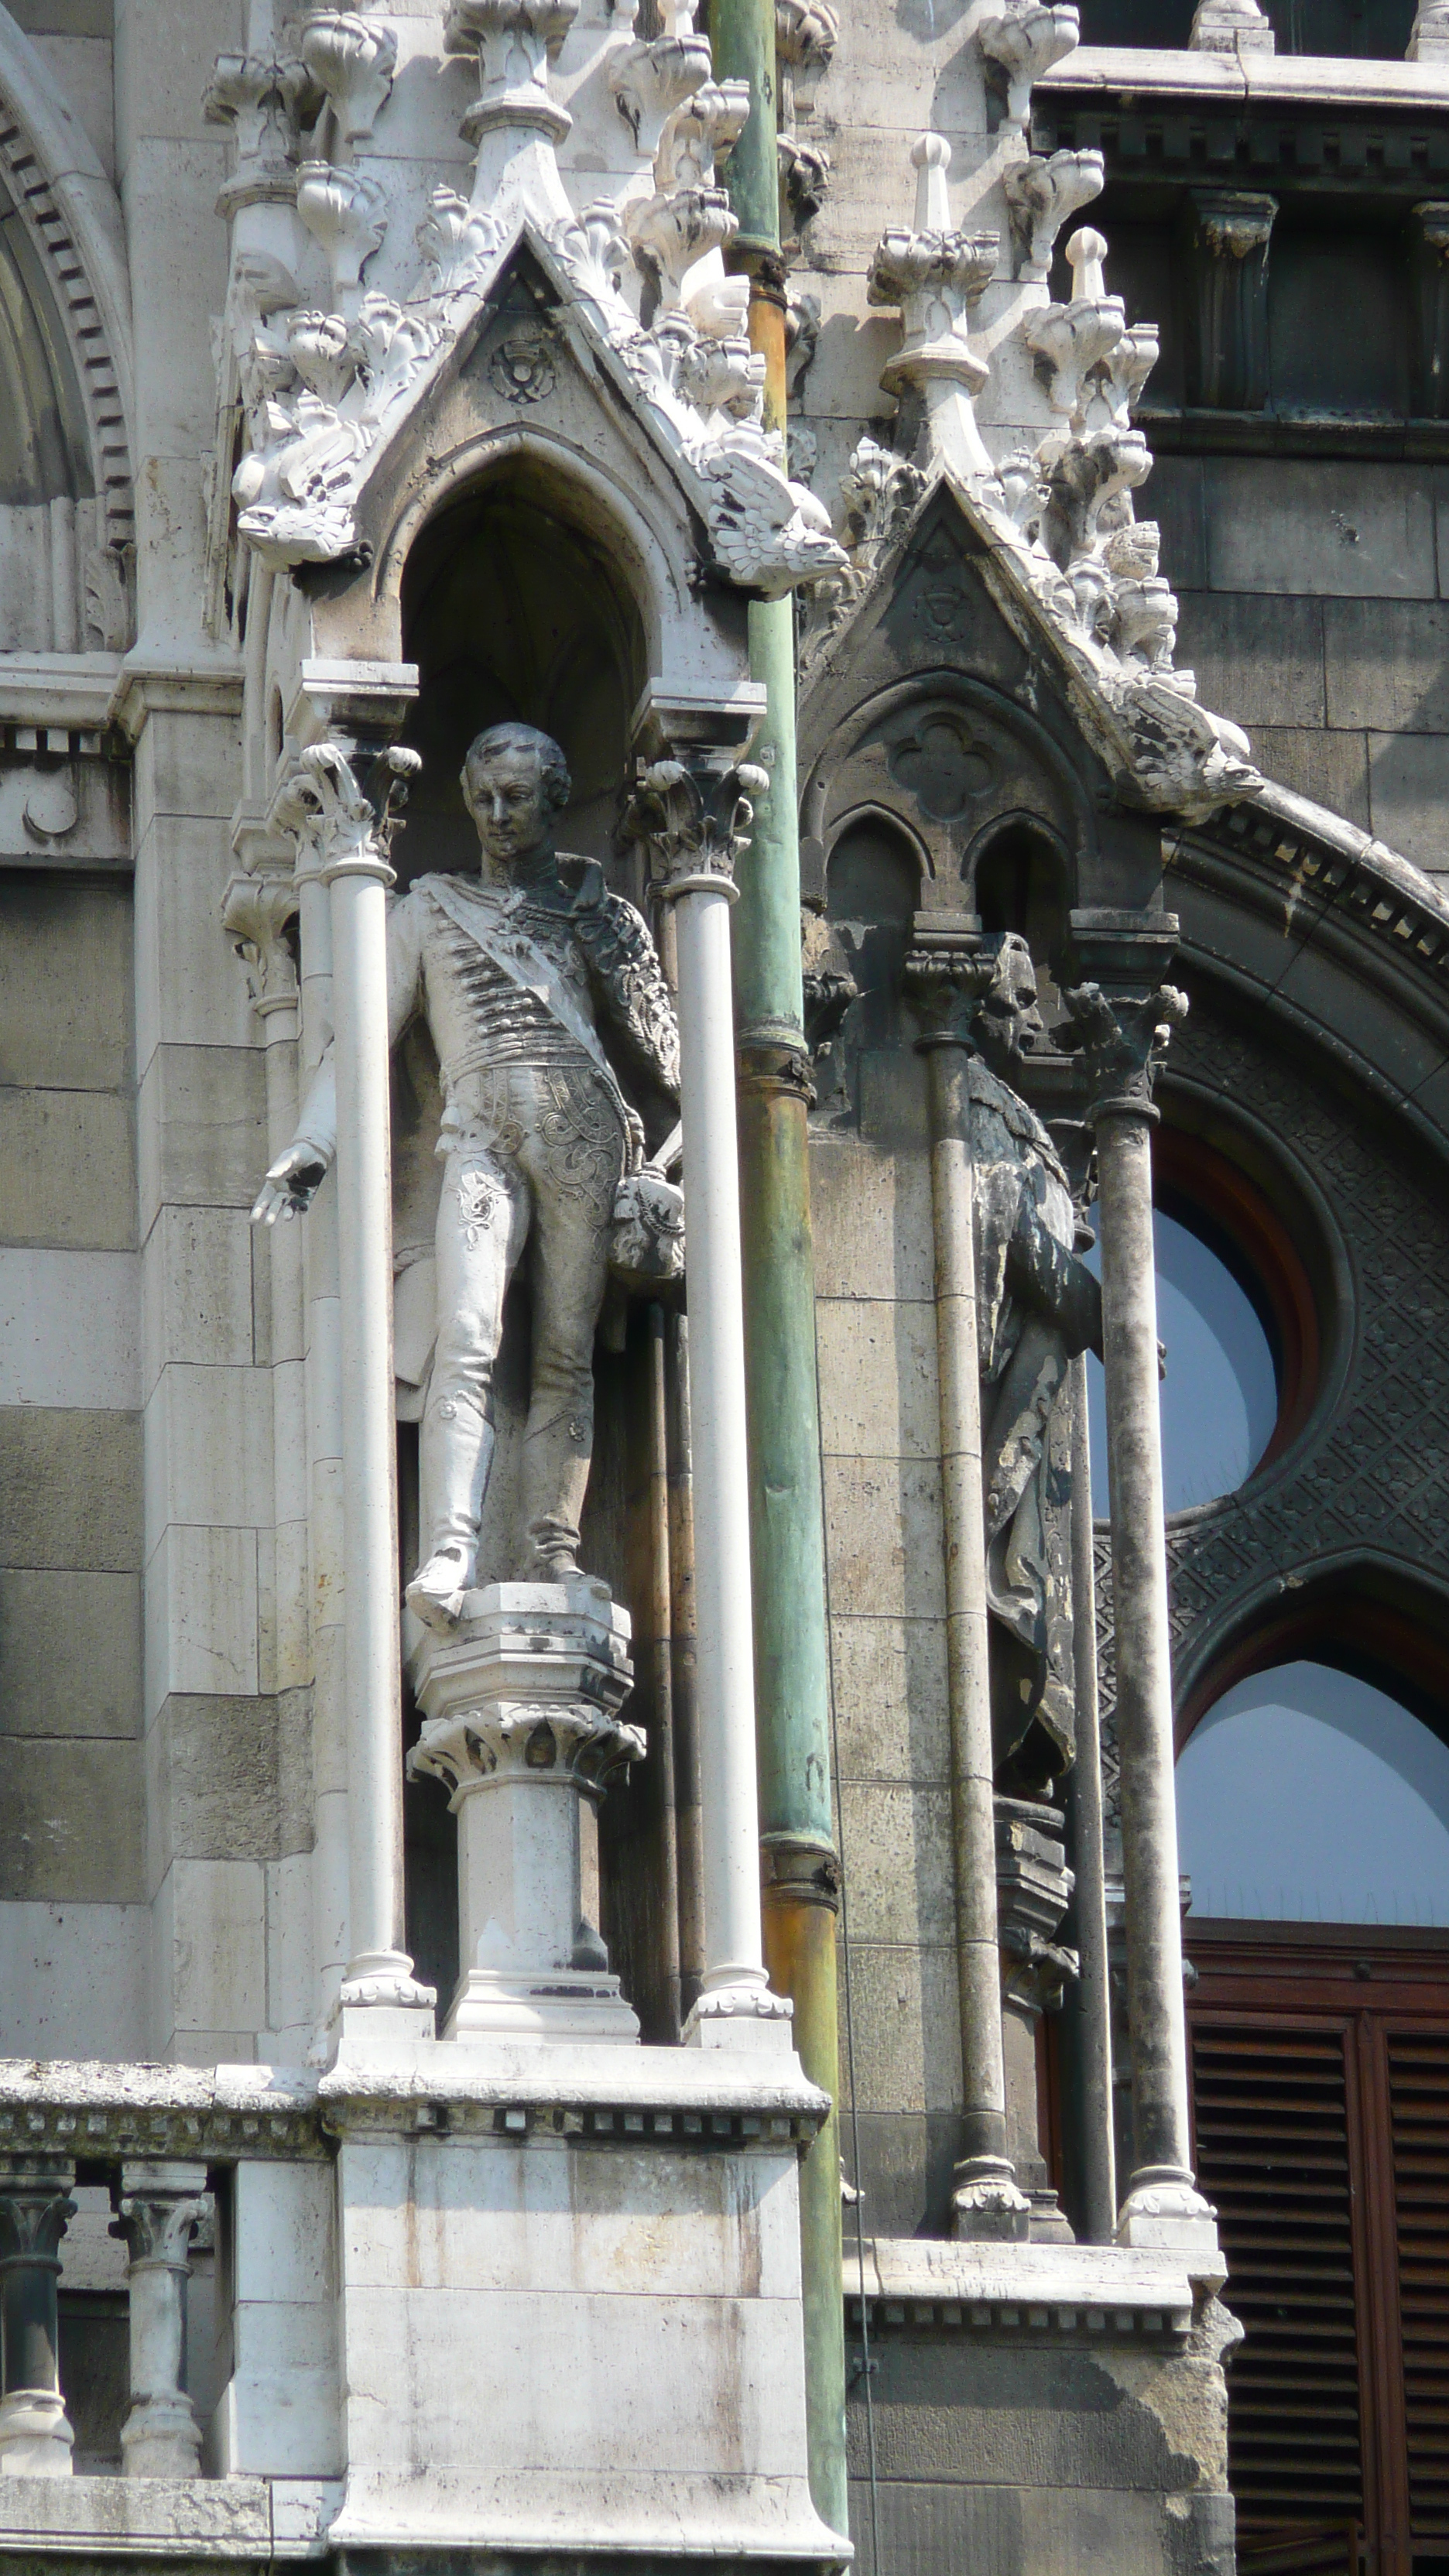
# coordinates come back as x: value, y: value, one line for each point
x: 1238, y: 1316
x: 1220, y: 1394
x: 1308, y: 1795
x: 872, y: 888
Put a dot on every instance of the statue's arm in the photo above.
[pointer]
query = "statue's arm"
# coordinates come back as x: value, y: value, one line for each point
x: 629, y: 984
x: 294, y: 1179
x: 1044, y: 1274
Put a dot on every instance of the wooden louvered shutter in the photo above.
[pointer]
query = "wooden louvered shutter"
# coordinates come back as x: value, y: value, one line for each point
x: 1273, y: 2153
x: 1418, y: 2073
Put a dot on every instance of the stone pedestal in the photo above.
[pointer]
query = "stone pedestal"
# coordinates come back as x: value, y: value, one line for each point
x: 1033, y: 1886
x: 520, y: 1704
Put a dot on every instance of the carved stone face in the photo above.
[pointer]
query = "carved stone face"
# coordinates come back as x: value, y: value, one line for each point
x: 1009, y: 1024
x: 504, y: 792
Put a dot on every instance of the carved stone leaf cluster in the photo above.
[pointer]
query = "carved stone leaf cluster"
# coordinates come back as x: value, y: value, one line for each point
x: 323, y: 388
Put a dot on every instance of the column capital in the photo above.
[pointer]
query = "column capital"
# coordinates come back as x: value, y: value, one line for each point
x: 257, y: 913
x: 157, y: 2205
x: 693, y: 815
x: 945, y: 977
x: 339, y: 804
x: 35, y: 2208
x: 1124, y: 1037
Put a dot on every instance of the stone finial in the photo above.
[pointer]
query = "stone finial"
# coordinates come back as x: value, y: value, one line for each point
x: 1021, y: 45
x: 1041, y: 195
x: 352, y: 60
x: 515, y: 42
x: 649, y: 81
x: 1429, y: 38
x: 1230, y: 27
x: 937, y: 276
x: 689, y: 214
x: 346, y: 211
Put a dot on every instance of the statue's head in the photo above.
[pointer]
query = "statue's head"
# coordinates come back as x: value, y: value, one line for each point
x: 515, y: 779
x: 1008, y: 1022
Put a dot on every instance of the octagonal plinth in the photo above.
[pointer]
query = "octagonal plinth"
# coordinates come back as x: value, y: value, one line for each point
x: 521, y: 1708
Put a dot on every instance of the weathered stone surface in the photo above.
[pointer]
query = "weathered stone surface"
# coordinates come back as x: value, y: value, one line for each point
x: 890, y: 1698
x: 70, y: 1490
x: 1332, y: 768
x: 1408, y: 789
x: 870, y: 1217
x: 878, y: 1391
x: 65, y: 984
x: 883, y: 1536
x: 70, y: 1653
x: 1385, y: 661
x: 72, y: 1822
x: 67, y: 1169
x: 906, y: 2042
x: 201, y: 1128
x: 1263, y: 658
x: 231, y: 1776
x: 1322, y: 530
x: 896, y: 1847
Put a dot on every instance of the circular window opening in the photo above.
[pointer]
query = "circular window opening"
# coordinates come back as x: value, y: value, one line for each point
x: 1309, y: 1795
x: 1238, y: 1322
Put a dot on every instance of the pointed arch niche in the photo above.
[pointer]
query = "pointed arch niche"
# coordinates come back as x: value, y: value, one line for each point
x: 66, y: 498
x: 512, y: 612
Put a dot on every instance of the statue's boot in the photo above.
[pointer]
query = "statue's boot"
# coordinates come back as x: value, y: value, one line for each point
x: 455, y: 1454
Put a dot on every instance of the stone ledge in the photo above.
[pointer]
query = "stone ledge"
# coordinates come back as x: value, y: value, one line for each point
x: 1282, y: 80
x: 87, y: 2107
x: 243, y: 2518
x: 667, y: 2096
x: 725, y: 2095
x: 1090, y: 2289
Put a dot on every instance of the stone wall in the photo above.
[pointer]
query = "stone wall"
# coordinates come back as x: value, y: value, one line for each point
x: 72, y: 1823
x: 1315, y: 611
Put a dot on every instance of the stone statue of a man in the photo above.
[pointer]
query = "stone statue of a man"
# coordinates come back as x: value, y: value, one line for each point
x: 521, y: 975
x: 1037, y: 1307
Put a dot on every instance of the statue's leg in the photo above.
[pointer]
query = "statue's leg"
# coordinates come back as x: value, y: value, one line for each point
x: 482, y: 1224
x: 575, y: 1170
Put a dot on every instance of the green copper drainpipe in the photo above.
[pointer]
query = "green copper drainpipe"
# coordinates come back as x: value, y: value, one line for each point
x: 801, y: 1871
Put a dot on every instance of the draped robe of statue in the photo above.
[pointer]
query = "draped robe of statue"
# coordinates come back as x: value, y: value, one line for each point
x: 1037, y: 1307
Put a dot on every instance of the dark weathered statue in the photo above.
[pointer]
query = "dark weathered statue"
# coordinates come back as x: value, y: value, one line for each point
x: 1037, y: 1307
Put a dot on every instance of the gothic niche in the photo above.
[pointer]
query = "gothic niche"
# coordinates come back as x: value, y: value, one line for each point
x: 515, y: 617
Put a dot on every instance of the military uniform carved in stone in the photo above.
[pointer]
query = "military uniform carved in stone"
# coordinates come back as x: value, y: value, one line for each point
x: 518, y: 974
x: 1037, y: 1307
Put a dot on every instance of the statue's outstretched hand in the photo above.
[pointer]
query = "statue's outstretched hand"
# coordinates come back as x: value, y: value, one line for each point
x: 292, y: 1183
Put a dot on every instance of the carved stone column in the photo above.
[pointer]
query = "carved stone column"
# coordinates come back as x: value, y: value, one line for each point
x: 1431, y: 293
x: 694, y: 815
x: 521, y: 1722
x: 36, y: 2438
x: 349, y: 832
x: 986, y: 2201
x: 1125, y: 1035
x: 1227, y: 339
x: 1033, y: 1890
x: 157, y: 2207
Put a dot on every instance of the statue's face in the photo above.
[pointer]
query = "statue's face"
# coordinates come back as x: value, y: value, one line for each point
x: 504, y: 793
x: 1010, y: 1023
